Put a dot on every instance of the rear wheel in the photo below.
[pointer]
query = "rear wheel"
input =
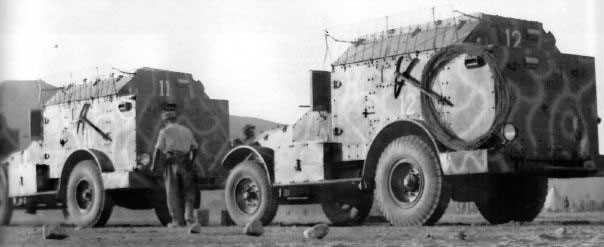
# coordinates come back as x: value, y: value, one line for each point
x: 6, y: 204
x: 249, y: 195
x: 347, y: 210
x: 409, y: 185
x: 160, y: 205
x: 87, y: 202
x: 513, y: 198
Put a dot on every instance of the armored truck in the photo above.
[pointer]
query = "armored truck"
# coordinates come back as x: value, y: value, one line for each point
x: 477, y: 108
x: 97, y: 139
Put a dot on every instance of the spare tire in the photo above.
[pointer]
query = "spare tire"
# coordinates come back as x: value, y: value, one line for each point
x: 468, y: 76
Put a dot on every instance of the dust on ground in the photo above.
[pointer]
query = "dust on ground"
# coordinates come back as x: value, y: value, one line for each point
x: 140, y: 228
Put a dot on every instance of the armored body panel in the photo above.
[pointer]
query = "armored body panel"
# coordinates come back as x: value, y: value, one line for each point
x: 207, y: 118
x: 20, y: 104
x: 8, y: 138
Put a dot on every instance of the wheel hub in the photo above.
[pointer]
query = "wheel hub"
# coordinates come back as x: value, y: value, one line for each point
x: 247, y: 195
x: 406, y: 183
x: 411, y: 182
x: 84, y: 195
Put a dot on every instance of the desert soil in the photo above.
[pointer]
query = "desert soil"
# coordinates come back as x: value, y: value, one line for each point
x: 140, y: 228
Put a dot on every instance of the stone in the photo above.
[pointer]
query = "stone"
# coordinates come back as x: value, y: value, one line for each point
x: 203, y: 217
x: 318, y: 231
x: 561, y: 232
x: 53, y: 231
x: 194, y: 229
x: 253, y: 228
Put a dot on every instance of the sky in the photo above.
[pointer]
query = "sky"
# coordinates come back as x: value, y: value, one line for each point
x: 256, y: 54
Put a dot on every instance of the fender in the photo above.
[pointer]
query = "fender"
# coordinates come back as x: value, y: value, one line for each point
x: 385, y: 136
x: 241, y: 153
x: 101, y: 159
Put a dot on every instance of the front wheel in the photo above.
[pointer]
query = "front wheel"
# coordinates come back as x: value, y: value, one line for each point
x: 6, y: 204
x: 249, y: 195
x: 87, y: 202
x: 409, y: 185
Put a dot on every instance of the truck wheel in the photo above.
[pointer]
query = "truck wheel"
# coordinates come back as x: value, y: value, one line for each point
x: 6, y: 203
x: 347, y: 211
x: 87, y: 202
x: 409, y: 185
x: 513, y: 198
x: 163, y: 214
x: 249, y: 195
x: 160, y: 205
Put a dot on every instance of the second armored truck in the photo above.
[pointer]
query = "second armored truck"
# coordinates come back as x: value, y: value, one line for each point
x: 477, y: 108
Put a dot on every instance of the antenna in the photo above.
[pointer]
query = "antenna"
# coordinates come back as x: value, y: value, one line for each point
x: 386, y: 23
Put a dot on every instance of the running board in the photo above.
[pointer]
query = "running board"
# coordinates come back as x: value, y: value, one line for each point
x: 43, y: 193
x: 322, y: 182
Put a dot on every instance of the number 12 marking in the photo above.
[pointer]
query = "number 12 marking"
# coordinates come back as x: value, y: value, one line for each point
x: 513, y: 38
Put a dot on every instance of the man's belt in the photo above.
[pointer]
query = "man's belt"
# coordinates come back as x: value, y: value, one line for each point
x: 176, y: 153
x: 179, y: 157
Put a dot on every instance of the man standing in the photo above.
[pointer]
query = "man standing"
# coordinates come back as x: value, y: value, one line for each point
x: 177, y: 146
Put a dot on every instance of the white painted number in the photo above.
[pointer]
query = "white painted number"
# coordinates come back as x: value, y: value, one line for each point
x: 513, y: 38
x: 164, y: 88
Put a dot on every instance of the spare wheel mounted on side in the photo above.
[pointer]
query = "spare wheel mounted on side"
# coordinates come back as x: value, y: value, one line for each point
x: 469, y: 76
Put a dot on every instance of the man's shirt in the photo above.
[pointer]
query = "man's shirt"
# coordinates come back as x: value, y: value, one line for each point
x: 175, y: 137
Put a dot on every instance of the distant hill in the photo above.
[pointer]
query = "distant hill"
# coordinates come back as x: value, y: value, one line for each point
x: 237, y: 122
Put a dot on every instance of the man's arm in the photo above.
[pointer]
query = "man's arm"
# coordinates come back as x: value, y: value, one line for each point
x: 155, y: 162
x: 157, y: 153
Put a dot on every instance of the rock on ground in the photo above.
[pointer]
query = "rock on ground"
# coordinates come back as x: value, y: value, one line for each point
x: 317, y: 231
x: 561, y: 232
x: 194, y: 229
x: 253, y: 228
x: 53, y: 231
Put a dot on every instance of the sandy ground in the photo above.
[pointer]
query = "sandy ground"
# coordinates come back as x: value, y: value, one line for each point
x: 140, y: 228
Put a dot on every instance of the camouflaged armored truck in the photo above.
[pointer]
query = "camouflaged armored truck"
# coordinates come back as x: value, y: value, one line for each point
x: 477, y: 108
x: 97, y: 138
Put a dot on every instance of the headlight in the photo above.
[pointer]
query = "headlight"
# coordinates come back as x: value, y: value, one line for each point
x: 144, y: 159
x: 509, y: 132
